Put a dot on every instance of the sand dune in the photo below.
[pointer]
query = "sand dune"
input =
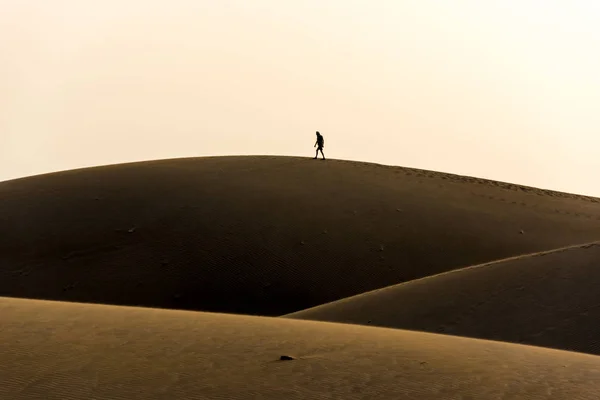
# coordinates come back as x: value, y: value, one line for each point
x: 549, y: 299
x: 263, y: 235
x: 272, y: 235
x: 62, y: 351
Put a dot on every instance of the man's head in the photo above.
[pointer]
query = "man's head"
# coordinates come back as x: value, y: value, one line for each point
x: 318, y: 134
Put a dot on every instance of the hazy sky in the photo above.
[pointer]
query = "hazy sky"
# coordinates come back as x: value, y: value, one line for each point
x: 507, y: 89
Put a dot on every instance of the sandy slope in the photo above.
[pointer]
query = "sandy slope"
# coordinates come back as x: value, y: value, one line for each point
x: 263, y: 235
x: 58, y: 351
x: 550, y: 299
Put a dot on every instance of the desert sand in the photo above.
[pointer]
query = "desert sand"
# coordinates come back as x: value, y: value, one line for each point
x: 254, y: 277
x: 62, y: 351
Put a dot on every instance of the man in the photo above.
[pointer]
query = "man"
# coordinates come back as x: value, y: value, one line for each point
x: 321, y: 143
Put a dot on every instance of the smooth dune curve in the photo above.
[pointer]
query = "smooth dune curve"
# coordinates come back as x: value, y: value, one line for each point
x: 263, y: 235
x: 58, y: 351
x: 549, y: 299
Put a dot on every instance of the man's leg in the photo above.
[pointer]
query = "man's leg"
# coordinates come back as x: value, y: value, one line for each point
x: 323, y: 154
x: 316, y: 154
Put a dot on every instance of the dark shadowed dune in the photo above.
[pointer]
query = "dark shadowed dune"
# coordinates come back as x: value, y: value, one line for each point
x: 263, y: 235
x: 549, y: 299
x: 57, y: 351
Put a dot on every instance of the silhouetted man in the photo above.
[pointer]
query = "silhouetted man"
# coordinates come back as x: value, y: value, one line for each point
x: 321, y: 143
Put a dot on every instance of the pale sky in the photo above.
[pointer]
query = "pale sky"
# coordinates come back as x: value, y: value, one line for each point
x: 506, y: 90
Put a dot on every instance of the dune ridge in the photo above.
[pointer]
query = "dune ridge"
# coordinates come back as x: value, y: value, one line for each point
x: 418, y: 172
x: 423, y: 173
x: 547, y: 299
